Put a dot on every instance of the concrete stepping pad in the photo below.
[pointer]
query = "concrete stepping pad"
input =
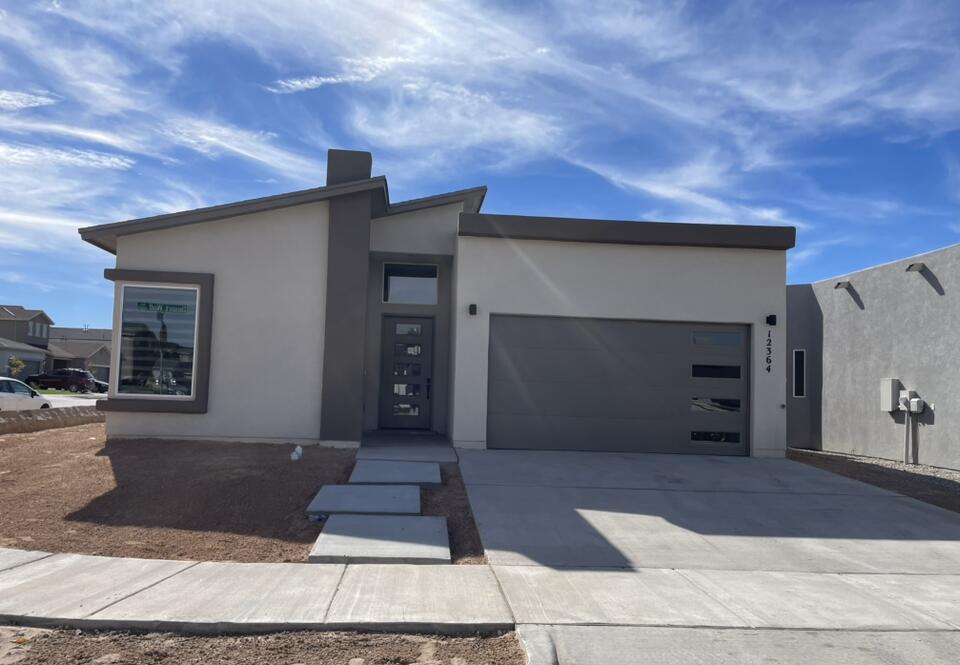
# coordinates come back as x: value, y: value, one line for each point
x: 382, y: 539
x: 415, y: 452
x: 395, y: 473
x: 366, y: 499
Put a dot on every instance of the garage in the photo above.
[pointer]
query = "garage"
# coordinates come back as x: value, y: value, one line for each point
x: 560, y: 383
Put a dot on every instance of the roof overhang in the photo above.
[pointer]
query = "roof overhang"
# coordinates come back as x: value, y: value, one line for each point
x: 626, y: 232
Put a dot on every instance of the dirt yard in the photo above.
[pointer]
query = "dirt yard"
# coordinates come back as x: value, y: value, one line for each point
x: 35, y: 647
x: 941, y: 487
x: 67, y: 490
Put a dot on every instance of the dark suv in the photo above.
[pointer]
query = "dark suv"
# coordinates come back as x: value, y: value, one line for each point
x: 74, y: 380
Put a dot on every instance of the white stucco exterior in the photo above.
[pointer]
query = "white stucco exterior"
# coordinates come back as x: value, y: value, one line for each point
x: 266, y: 364
x: 578, y: 279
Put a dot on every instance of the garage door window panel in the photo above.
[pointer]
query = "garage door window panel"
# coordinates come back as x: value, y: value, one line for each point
x: 716, y: 371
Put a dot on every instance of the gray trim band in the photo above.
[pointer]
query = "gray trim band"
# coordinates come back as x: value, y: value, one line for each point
x: 627, y: 233
x: 201, y: 382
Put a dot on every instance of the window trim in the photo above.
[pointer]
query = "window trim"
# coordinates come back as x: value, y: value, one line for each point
x: 198, y: 400
x: 793, y: 374
x: 383, y: 282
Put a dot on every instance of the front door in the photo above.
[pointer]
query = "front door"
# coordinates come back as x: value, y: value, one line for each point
x: 406, y: 374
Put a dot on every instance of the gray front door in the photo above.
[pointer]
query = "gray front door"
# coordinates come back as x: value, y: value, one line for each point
x: 406, y: 372
x: 598, y: 384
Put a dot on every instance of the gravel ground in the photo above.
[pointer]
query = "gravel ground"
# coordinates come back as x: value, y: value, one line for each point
x: 67, y: 490
x: 34, y: 647
x: 931, y: 484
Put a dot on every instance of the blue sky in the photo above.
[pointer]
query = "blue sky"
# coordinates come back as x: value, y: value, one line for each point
x: 839, y: 118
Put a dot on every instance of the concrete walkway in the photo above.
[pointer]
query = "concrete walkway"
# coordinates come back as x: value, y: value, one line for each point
x: 41, y: 589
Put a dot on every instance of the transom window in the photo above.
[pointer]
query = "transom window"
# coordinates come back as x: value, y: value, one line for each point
x: 409, y: 284
x: 158, y: 339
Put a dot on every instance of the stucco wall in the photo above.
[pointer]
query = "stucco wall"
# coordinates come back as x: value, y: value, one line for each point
x: 427, y: 231
x: 617, y: 281
x: 894, y: 324
x: 270, y: 273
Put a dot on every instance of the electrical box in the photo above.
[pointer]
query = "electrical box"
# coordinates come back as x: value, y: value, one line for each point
x: 889, y: 395
x: 916, y: 405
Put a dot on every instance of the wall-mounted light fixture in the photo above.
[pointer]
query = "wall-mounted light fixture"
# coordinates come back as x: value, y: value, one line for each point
x: 472, y: 309
x: 843, y: 284
x: 771, y: 319
x: 916, y: 267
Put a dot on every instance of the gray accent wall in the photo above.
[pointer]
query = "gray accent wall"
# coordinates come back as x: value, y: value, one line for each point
x: 804, y: 331
x: 341, y: 404
x: 377, y: 309
x: 889, y: 324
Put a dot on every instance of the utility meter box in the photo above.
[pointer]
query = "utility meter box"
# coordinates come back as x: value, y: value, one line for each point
x: 889, y: 395
x: 916, y: 405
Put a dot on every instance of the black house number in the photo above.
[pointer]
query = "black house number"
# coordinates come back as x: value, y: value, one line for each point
x: 769, y: 358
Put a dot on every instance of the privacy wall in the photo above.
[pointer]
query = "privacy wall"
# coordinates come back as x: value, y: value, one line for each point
x: 886, y: 323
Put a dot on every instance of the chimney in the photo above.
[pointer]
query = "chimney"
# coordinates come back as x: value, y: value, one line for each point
x: 347, y: 166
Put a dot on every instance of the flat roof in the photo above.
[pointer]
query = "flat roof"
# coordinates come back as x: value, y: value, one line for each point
x: 567, y: 229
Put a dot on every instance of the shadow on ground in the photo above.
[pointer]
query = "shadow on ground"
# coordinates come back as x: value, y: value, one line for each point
x: 249, y: 489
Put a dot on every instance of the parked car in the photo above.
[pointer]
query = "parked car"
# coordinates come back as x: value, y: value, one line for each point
x: 74, y: 380
x: 18, y: 396
x: 101, y: 386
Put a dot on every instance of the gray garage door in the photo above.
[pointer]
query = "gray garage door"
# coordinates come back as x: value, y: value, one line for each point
x: 596, y: 384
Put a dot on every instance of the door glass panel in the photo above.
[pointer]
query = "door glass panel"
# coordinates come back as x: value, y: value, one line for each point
x: 406, y: 369
x: 716, y: 371
x: 715, y: 404
x: 406, y: 410
x: 716, y: 437
x: 407, y: 349
x: 716, y: 338
x: 406, y: 389
x: 407, y: 329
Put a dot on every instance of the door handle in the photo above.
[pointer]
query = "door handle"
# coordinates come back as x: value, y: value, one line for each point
x: 428, y: 387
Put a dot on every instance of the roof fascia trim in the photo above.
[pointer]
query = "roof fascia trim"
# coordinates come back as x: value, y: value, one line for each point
x: 626, y: 232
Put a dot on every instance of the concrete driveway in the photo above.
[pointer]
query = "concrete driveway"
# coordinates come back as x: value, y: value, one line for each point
x: 636, y: 543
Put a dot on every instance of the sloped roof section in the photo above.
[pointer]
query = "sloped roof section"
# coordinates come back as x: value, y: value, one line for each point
x: 10, y: 345
x: 105, y: 236
x: 19, y: 313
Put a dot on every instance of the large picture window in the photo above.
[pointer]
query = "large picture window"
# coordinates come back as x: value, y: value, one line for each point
x: 158, y: 340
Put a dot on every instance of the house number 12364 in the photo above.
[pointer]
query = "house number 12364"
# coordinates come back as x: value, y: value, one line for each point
x: 769, y: 358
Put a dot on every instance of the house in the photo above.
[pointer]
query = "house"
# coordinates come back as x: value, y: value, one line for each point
x: 497, y: 331
x: 857, y: 341
x: 83, y: 348
x: 24, y: 333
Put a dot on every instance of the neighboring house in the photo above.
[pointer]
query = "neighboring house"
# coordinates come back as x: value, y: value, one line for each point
x: 83, y: 348
x: 322, y: 314
x: 30, y: 327
x: 846, y: 335
x: 31, y: 356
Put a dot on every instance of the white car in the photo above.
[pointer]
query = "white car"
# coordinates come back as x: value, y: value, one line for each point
x: 18, y: 396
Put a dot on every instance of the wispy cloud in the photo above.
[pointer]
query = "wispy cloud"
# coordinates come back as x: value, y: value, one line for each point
x: 25, y: 155
x: 12, y: 100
